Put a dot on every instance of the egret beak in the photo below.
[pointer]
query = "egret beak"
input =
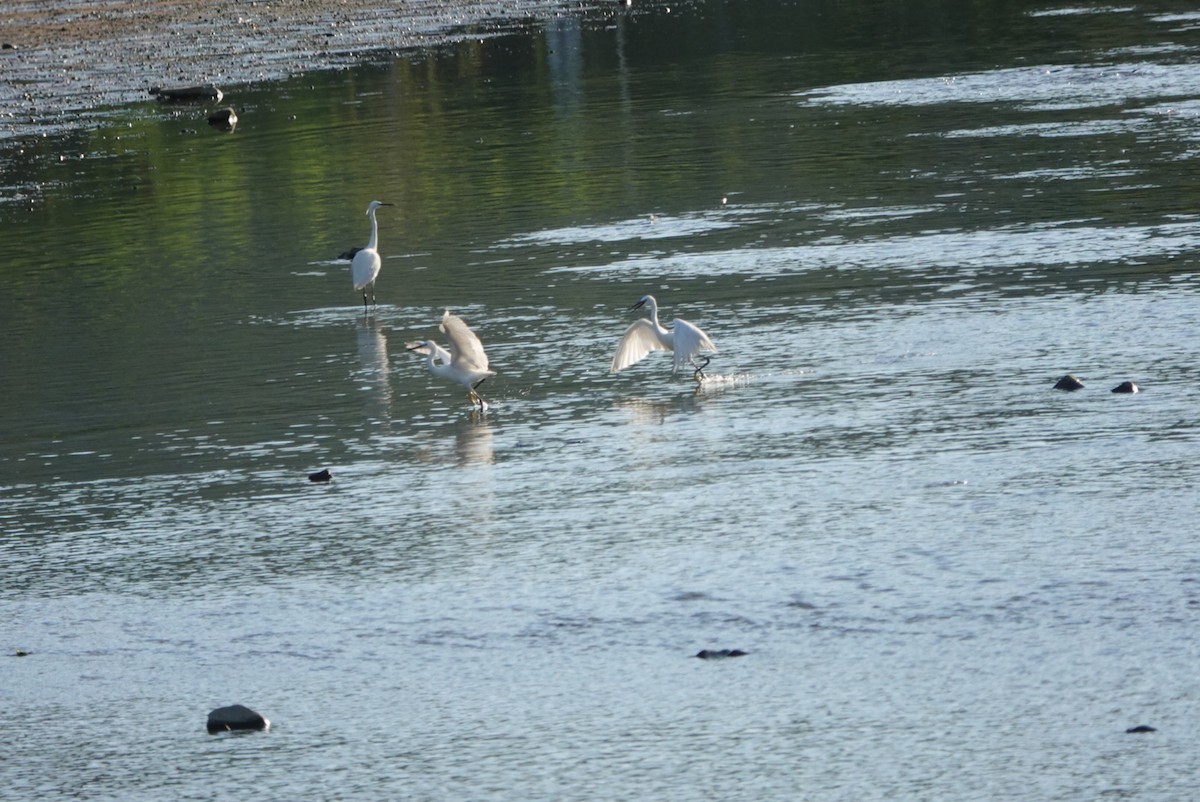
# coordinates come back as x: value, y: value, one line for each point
x: 638, y: 305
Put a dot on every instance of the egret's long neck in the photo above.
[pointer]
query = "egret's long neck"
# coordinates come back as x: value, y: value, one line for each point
x: 654, y: 317
x: 435, y: 367
x: 374, y: 243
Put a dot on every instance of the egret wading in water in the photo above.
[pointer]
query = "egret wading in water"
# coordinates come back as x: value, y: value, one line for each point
x: 465, y: 362
x: 365, y: 264
x: 647, y: 334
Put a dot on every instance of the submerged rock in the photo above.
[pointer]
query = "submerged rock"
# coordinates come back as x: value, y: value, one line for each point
x: 236, y: 717
x: 713, y: 654
x: 223, y: 119
x: 188, y: 94
x: 1069, y: 382
x: 1126, y: 387
x: 349, y: 255
x: 321, y: 476
x: 1141, y: 728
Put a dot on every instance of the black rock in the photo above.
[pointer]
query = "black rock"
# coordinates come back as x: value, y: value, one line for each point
x: 321, y: 476
x: 223, y: 119
x: 234, y: 718
x: 1126, y: 387
x: 712, y: 654
x: 349, y: 255
x: 1141, y: 728
x: 1069, y: 382
x: 188, y: 94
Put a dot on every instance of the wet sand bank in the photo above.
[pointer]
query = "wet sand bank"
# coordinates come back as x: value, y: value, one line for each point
x: 64, y: 60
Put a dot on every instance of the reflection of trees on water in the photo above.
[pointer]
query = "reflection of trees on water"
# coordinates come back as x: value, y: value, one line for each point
x: 564, y: 45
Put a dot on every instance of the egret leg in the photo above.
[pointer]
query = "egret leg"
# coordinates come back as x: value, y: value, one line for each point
x: 699, y: 374
x: 476, y: 398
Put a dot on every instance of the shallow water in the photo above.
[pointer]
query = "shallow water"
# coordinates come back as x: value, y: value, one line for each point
x: 899, y: 226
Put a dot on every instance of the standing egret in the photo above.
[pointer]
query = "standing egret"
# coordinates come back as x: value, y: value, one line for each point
x: 364, y: 267
x: 647, y: 334
x: 465, y: 362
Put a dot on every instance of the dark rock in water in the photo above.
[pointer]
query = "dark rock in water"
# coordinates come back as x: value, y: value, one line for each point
x: 1069, y: 382
x: 321, y: 476
x: 224, y: 119
x: 188, y: 94
x: 235, y: 717
x: 349, y: 255
x: 21, y: 653
x: 712, y: 654
x: 8, y: 46
x: 1126, y: 387
x: 1141, y: 728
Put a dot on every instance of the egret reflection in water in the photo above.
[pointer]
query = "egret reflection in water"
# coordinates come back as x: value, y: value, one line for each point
x: 373, y: 371
x: 473, y: 442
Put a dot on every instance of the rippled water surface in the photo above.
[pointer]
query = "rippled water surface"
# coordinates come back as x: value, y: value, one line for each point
x: 900, y: 224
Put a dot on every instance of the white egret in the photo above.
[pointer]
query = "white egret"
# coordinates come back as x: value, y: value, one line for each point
x: 364, y: 267
x: 647, y: 334
x: 465, y: 362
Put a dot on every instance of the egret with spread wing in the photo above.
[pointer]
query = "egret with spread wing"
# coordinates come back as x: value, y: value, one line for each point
x: 647, y: 334
x: 365, y: 262
x: 465, y: 362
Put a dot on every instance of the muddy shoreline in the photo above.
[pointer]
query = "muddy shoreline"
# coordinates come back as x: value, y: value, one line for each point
x: 66, y: 60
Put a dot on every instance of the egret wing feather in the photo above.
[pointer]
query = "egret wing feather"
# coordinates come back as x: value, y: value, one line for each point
x: 466, y: 350
x: 364, y: 268
x: 689, y: 341
x: 637, y: 341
